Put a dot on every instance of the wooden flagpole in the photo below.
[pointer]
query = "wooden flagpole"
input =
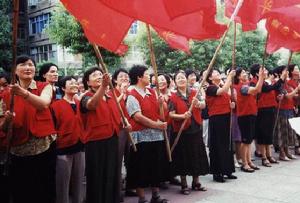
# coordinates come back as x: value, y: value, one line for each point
x: 161, y: 110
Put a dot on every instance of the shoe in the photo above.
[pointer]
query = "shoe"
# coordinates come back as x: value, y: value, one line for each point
x: 272, y: 160
x: 230, y: 176
x: 265, y: 162
x: 185, y: 190
x: 257, y: 154
x: 159, y: 200
x: 218, y: 178
x: 297, y: 151
x: 285, y: 158
x: 291, y: 156
x: 247, y: 170
x: 254, y: 167
x: 130, y: 193
x: 198, y: 187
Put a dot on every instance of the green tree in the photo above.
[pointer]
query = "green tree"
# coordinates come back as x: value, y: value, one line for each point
x: 67, y: 32
x: 249, y: 50
x: 5, y: 34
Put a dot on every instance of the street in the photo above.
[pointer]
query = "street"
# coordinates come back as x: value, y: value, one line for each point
x: 278, y: 184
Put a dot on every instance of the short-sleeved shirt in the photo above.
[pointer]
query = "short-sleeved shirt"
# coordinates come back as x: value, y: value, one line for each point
x: 148, y: 134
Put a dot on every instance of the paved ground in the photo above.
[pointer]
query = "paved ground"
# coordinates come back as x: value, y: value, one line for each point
x: 279, y: 184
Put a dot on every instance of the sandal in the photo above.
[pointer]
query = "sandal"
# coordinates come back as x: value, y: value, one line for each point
x: 198, y: 187
x: 159, y: 200
x: 284, y: 158
x: 291, y: 156
x: 185, y: 190
x: 265, y: 162
x: 247, y: 170
x: 254, y: 167
x: 272, y: 160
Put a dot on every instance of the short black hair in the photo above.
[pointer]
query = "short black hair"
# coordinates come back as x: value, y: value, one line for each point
x: 63, y: 80
x: 116, y: 73
x: 278, y: 70
x: 190, y: 72
x: 209, y: 75
x: 23, y: 58
x: 6, y: 76
x: 44, y: 69
x: 254, y: 70
x: 87, y: 74
x: 137, y: 71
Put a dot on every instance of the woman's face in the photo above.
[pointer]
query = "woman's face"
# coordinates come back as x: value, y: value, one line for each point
x: 122, y: 78
x: 215, y: 76
x: 192, y: 79
x: 52, y: 75
x: 71, y: 87
x: 145, y: 79
x: 243, y: 76
x: 80, y: 85
x: 162, y: 82
x: 181, y: 80
x: 95, y: 79
x: 26, y: 70
x: 295, y: 73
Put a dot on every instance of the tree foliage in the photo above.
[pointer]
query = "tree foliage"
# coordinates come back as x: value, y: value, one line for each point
x: 67, y: 32
x: 5, y: 34
x: 249, y: 50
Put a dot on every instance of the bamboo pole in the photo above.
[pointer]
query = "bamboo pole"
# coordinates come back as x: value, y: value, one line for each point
x: 265, y: 51
x: 161, y: 110
x: 16, y: 4
x: 231, y: 87
x: 124, y: 120
x: 210, y: 66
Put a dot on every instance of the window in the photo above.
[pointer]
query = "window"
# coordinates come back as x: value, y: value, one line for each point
x: 134, y: 28
x: 44, y: 53
x: 38, y: 23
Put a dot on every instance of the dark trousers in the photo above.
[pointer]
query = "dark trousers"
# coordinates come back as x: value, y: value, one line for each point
x: 4, y: 191
x: 32, y: 178
x: 102, y: 171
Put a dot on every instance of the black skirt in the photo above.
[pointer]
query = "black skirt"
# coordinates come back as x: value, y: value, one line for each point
x: 101, y: 159
x: 220, y: 149
x: 148, y: 166
x: 264, y: 126
x: 247, y: 127
x: 189, y: 156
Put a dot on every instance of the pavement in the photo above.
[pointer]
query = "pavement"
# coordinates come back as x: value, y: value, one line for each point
x: 278, y: 184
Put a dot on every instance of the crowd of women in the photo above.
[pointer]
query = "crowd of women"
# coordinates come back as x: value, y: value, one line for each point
x: 69, y: 131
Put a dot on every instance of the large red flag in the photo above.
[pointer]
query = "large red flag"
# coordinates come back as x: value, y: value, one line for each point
x: 198, y: 25
x: 102, y: 25
x: 283, y: 27
x: 174, y: 41
x: 252, y: 11
x: 176, y: 8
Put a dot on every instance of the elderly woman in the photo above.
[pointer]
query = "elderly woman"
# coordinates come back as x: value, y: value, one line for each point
x: 49, y: 73
x: 32, y: 170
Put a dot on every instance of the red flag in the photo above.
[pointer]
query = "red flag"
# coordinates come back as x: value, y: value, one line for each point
x: 252, y: 11
x: 176, y: 8
x: 198, y: 25
x: 174, y: 41
x: 101, y: 25
x: 283, y: 27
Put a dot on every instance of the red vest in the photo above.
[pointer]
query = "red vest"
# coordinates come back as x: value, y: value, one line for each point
x: 68, y: 123
x: 103, y: 122
x: 28, y: 120
x: 181, y: 108
x: 219, y: 104
x: 122, y: 102
x: 246, y: 104
x: 267, y: 99
x: 149, y: 107
x: 287, y: 104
